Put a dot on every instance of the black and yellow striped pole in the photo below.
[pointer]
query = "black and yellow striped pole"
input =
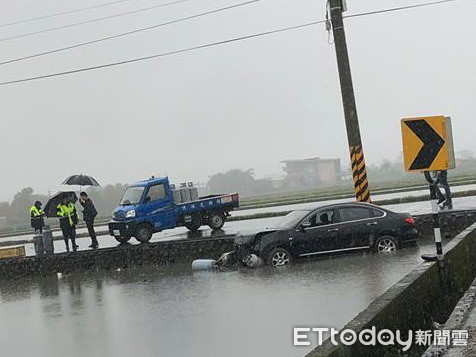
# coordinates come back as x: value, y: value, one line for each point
x: 359, y: 172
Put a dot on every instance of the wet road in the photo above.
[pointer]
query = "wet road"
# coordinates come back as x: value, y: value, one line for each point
x: 231, y: 228
x: 413, y: 208
x: 156, y: 312
x: 180, y: 233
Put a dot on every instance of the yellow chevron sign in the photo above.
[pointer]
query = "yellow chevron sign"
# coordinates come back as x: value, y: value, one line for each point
x: 427, y: 144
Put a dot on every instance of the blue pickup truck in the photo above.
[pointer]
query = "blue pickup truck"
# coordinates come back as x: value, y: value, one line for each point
x: 148, y: 207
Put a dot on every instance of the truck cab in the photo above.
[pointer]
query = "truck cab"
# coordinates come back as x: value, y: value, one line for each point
x: 148, y: 207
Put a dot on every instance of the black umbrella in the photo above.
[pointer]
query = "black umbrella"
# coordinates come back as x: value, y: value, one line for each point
x: 55, y: 200
x: 81, y: 180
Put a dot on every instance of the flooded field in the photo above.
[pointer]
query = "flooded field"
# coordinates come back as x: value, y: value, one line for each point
x: 176, y: 312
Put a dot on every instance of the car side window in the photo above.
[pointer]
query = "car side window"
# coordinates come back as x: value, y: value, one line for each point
x: 320, y: 218
x: 156, y: 192
x: 376, y: 213
x: 354, y: 213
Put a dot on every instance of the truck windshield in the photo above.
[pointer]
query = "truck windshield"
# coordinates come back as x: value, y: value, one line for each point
x: 132, y: 195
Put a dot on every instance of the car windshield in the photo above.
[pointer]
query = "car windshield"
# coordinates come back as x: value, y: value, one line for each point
x: 292, y: 219
x: 132, y: 195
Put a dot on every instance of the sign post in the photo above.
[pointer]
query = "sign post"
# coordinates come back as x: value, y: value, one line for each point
x: 436, y: 220
x: 427, y: 147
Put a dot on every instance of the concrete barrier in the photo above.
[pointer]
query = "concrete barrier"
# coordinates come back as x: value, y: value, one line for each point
x: 161, y: 254
x: 451, y: 222
x: 426, y: 295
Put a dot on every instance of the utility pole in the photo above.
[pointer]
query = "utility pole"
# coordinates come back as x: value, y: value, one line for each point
x: 359, y: 172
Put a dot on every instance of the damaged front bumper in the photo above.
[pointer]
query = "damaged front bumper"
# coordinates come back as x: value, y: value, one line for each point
x: 238, y: 257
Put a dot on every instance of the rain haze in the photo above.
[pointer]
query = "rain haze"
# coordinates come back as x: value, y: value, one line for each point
x: 251, y: 231
x: 247, y: 104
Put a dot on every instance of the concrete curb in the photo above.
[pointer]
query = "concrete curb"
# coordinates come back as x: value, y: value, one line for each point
x: 426, y: 295
x: 457, y: 321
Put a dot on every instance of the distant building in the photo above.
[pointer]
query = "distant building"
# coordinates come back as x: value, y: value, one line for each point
x: 313, y: 172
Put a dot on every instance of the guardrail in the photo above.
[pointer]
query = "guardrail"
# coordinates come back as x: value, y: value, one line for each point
x: 244, y: 205
x: 54, y: 228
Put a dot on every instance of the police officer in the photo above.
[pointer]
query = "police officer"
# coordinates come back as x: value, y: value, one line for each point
x: 68, y: 218
x: 37, y: 220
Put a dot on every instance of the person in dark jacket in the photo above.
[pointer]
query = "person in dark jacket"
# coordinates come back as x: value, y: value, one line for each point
x: 89, y: 213
x: 441, y: 180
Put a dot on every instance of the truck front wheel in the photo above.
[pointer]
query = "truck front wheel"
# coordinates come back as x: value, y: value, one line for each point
x: 122, y: 239
x: 144, y: 233
x: 216, y: 220
x: 194, y: 224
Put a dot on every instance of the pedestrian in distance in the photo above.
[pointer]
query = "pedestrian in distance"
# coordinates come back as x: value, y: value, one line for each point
x: 68, y: 218
x: 89, y: 213
x: 441, y: 180
x: 37, y: 217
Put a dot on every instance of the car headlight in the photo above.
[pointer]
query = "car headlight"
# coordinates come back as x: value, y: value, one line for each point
x: 131, y: 213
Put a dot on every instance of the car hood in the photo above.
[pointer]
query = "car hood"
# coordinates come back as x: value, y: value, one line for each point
x: 247, y: 236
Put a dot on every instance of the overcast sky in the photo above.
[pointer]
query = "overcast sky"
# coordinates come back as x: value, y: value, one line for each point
x: 242, y: 105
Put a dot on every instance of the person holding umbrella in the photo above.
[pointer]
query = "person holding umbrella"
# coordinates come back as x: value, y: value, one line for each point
x: 89, y: 213
x: 81, y: 181
x: 68, y: 218
x: 37, y: 220
x: 68, y: 205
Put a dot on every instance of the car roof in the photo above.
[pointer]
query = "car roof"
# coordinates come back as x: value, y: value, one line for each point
x: 344, y: 204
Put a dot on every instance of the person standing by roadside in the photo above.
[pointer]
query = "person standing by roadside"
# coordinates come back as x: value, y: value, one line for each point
x: 68, y: 217
x: 442, y: 181
x: 37, y: 217
x: 89, y: 213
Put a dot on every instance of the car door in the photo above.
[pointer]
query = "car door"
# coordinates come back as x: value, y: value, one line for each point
x: 159, y: 207
x: 358, y: 226
x: 319, y: 232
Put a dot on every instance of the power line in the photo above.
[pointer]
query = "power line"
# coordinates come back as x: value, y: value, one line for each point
x: 236, y: 39
x: 400, y: 8
x: 63, y: 13
x: 163, y: 5
x: 163, y: 54
x: 61, y: 49
x: 75, y: 24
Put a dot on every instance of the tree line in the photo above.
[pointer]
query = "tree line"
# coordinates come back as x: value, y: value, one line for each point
x: 17, y: 212
x: 106, y: 198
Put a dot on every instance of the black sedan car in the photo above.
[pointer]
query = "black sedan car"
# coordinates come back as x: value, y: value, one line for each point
x: 327, y: 230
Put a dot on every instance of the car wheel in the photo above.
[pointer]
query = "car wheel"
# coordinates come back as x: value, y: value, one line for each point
x: 122, y: 239
x: 144, y: 233
x: 386, y: 244
x: 279, y: 257
x: 216, y: 220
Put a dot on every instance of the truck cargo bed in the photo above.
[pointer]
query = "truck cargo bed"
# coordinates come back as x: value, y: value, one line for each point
x: 209, y: 203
